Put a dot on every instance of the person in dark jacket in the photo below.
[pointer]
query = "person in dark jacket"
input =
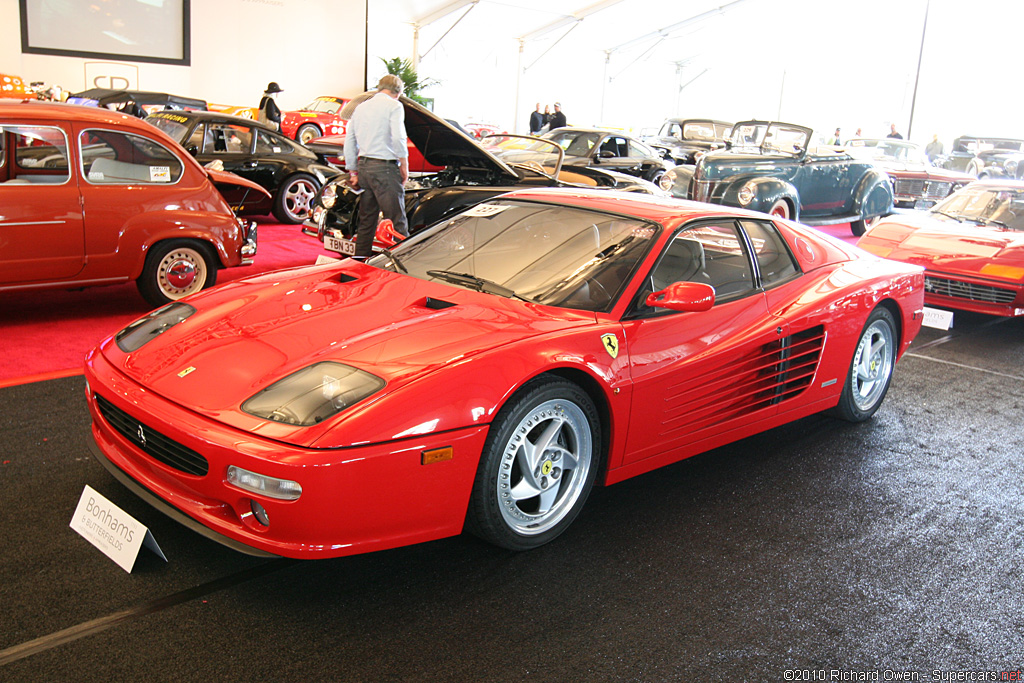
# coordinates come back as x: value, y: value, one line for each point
x: 558, y: 118
x: 270, y: 113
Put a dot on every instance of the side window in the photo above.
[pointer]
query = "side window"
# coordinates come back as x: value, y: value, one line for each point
x: 39, y: 153
x: 773, y: 257
x: 196, y: 139
x: 637, y: 151
x: 267, y: 144
x: 115, y: 158
x: 711, y: 253
x: 226, y: 138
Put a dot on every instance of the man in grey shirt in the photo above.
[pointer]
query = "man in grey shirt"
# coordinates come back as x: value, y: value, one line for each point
x: 378, y: 161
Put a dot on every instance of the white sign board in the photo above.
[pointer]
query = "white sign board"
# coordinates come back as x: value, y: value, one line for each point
x: 940, y: 320
x: 117, y: 534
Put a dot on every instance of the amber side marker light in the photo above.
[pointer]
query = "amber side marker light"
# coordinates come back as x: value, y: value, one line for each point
x: 437, y: 455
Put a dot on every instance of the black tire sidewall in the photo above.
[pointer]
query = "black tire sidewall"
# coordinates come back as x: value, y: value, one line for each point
x: 484, y: 516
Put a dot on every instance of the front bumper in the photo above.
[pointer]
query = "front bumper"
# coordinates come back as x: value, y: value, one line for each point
x: 249, y: 247
x: 973, y: 294
x: 353, y: 500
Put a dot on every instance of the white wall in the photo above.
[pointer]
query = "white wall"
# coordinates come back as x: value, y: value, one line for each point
x: 311, y: 47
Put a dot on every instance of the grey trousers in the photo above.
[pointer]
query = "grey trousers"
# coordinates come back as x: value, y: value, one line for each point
x: 383, y: 192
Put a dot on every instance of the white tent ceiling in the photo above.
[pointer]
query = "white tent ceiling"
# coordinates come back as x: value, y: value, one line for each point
x: 631, y: 63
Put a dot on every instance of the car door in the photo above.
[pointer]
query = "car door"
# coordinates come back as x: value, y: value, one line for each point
x: 825, y: 183
x: 42, y: 233
x: 698, y: 374
x: 231, y: 144
x: 125, y: 177
x: 613, y: 154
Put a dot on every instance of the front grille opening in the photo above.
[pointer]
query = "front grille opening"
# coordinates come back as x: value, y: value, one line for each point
x: 152, y: 442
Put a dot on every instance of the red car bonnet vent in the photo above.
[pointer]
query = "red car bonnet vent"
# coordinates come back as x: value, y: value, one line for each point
x: 344, y: 278
x: 437, y: 304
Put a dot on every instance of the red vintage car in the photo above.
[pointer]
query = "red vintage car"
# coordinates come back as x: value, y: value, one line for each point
x: 330, y: 149
x: 94, y: 197
x: 916, y: 183
x: 316, y: 119
x: 971, y: 246
x: 488, y: 371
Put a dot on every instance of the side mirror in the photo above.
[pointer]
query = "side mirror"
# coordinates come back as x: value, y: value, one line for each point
x: 192, y: 149
x: 605, y: 154
x: 683, y: 296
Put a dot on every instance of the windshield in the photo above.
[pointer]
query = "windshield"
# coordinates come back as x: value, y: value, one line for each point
x: 546, y: 254
x: 323, y: 104
x: 770, y: 137
x: 887, y: 150
x: 536, y: 154
x: 986, y: 204
x: 173, y: 124
x: 575, y: 143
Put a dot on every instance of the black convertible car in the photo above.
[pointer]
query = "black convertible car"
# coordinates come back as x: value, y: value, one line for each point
x: 471, y: 173
x: 286, y: 169
x: 610, y: 151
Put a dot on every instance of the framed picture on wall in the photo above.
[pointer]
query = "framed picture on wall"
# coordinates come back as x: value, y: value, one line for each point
x: 127, y: 30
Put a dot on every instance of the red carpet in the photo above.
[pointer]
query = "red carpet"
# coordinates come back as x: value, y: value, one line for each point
x: 46, y: 334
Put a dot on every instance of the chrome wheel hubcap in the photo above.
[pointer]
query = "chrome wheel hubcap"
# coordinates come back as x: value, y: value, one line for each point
x: 544, y: 467
x: 872, y: 365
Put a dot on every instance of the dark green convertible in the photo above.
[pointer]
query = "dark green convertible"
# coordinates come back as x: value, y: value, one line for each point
x: 769, y: 166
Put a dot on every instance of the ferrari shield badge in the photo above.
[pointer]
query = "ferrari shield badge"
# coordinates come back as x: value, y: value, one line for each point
x: 186, y: 372
x: 611, y: 344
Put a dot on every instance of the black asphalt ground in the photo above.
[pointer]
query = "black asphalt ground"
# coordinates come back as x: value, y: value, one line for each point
x: 837, y: 551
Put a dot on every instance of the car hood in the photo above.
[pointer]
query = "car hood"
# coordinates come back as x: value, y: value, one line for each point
x: 227, y: 180
x: 251, y: 333
x: 947, y: 245
x: 444, y: 145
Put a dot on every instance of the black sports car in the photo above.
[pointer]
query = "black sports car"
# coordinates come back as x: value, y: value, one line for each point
x: 286, y: 169
x: 609, y: 150
x: 472, y: 172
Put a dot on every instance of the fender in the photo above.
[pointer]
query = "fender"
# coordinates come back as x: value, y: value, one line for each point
x: 221, y: 233
x: 873, y: 196
x: 767, y: 191
x: 680, y: 178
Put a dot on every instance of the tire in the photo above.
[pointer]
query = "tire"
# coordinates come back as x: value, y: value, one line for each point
x: 523, y: 498
x: 871, y: 368
x: 656, y: 176
x: 859, y: 227
x: 780, y: 209
x: 175, y: 269
x: 294, y: 199
x: 307, y: 132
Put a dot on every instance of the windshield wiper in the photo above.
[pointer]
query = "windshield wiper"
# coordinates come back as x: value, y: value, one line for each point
x: 991, y: 221
x: 474, y: 282
x: 958, y: 219
x: 394, y: 260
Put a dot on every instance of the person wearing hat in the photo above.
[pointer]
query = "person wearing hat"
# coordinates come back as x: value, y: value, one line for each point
x: 558, y: 118
x: 377, y: 157
x: 270, y: 113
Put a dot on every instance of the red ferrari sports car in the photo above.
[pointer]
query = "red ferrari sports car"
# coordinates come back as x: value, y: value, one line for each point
x: 971, y: 246
x: 488, y: 371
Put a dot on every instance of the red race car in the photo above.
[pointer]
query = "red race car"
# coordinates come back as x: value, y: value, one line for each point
x: 489, y: 370
x: 318, y: 118
x: 971, y: 246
